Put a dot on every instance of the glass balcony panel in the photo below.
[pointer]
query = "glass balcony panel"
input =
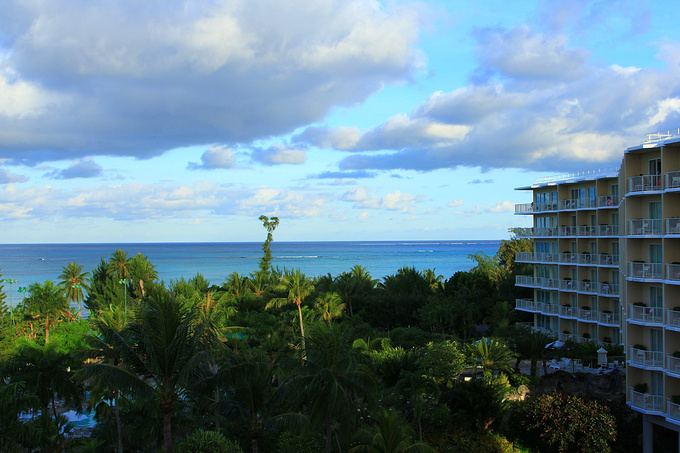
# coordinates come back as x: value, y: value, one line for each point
x: 646, y: 359
x: 647, y: 315
x: 673, y: 180
x: 652, y: 271
x: 673, y: 225
x: 673, y: 272
x: 646, y: 401
x: 645, y: 227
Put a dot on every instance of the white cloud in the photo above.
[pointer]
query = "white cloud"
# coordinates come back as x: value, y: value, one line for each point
x: 80, y: 168
x: 502, y: 206
x: 213, y: 158
x: 279, y: 155
x: 123, y: 78
x: 393, y: 201
x: 574, y: 114
x: 455, y: 203
x: 7, y: 177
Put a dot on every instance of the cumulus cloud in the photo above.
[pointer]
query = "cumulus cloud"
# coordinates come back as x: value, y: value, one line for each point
x: 279, y: 155
x: 7, y: 177
x: 138, y: 201
x: 81, y: 168
x: 541, y: 104
x: 120, y: 78
x: 479, y: 181
x: 393, y: 201
x: 213, y: 158
x: 455, y: 203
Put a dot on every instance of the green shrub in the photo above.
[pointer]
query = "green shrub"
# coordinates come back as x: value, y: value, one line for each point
x: 564, y: 423
x: 201, y: 441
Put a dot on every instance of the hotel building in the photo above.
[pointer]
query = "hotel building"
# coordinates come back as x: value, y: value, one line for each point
x: 607, y: 268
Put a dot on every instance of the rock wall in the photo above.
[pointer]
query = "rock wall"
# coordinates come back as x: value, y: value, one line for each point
x: 609, y: 386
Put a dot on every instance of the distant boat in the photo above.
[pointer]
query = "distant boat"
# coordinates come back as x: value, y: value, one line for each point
x: 42, y: 259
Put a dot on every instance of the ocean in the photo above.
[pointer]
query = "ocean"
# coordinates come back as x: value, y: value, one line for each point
x: 30, y: 263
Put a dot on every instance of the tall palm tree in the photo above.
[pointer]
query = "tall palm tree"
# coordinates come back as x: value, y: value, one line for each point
x: 45, y: 371
x: 330, y: 306
x: 141, y: 272
x: 163, y: 349
x: 119, y: 265
x: 298, y: 287
x: 533, y: 346
x: 331, y: 380
x: 76, y: 283
x: 250, y: 378
x: 433, y: 279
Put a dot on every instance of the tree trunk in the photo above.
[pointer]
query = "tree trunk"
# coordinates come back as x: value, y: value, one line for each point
x: 328, y: 432
x: 302, y: 327
x: 167, y: 430
x: 47, y: 329
x: 253, y: 441
x: 119, y: 425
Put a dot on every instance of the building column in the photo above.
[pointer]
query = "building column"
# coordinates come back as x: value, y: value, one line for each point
x: 647, y: 435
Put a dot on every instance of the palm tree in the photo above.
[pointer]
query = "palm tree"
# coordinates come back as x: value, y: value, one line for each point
x: 102, y: 347
x: 389, y: 435
x: 235, y: 285
x: 141, y: 272
x: 46, y: 302
x: 76, y: 283
x: 298, y: 287
x: 491, y: 354
x: 331, y: 380
x: 433, y: 279
x: 250, y: 379
x: 330, y: 305
x: 500, y: 316
x: 163, y: 349
x: 119, y: 265
x: 45, y: 371
x: 533, y: 346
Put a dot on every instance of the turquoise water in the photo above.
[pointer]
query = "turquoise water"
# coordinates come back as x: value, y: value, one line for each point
x: 30, y: 263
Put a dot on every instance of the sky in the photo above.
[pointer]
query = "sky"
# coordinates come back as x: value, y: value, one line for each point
x: 184, y: 121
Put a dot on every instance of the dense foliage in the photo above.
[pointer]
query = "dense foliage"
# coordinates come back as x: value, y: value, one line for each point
x: 273, y: 361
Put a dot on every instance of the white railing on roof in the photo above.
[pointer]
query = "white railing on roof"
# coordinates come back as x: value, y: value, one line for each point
x: 662, y: 135
x: 577, y: 174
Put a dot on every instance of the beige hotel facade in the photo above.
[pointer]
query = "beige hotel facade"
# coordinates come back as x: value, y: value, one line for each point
x: 607, y: 268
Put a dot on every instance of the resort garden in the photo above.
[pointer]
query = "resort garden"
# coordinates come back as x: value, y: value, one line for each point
x: 278, y: 361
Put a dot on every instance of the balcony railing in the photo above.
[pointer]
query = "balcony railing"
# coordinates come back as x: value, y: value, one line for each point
x: 650, y: 271
x: 646, y: 315
x: 673, y: 180
x: 672, y: 364
x: 587, y: 315
x: 644, y: 183
x: 611, y: 319
x: 646, y: 359
x: 673, y: 411
x: 607, y: 201
x: 646, y: 402
x: 604, y: 289
x: 526, y: 305
x: 605, y: 259
x: 608, y: 230
x: 673, y: 272
x: 673, y: 225
x: 645, y: 227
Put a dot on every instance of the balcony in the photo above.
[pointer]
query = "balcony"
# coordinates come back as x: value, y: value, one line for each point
x: 673, y: 180
x: 527, y: 305
x: 645, y: 227
x: 607, y: 201
x: 673, y: 415
x: 638, y: 314
x: 645, y: 402
x: 672, y: 365
x: 673, y: 273
x: 605, y: 259
x: 608, y: 289
x: 609, y: 319
x: 587, y: 315
x: 587, y: 287
x: 568, y: 312
x: 673, y: 226
x: 648, y: 360
x: 672, y: 320
x: 645, y: 271
x: 644, y: 183
x: 608, y: 230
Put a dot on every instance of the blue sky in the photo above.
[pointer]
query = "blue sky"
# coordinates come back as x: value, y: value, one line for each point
x: 170, y: 120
